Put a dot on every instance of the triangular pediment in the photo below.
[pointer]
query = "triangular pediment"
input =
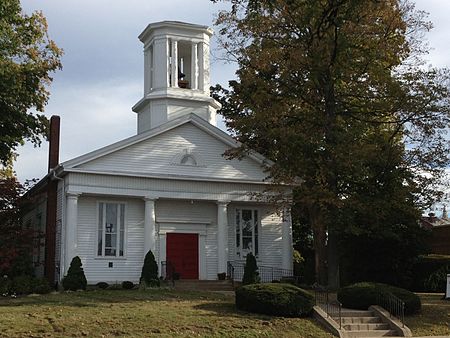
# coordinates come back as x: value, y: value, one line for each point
x: 189, y: 148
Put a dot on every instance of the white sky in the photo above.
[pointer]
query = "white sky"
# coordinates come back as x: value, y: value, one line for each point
x: 102, y: 76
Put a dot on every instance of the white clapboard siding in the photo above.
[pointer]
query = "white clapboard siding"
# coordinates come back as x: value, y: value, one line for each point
x: 96, y: 269
x: 269, y: 241
x: 161, y: 154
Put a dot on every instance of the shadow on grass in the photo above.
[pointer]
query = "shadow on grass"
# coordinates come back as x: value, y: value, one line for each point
x: 97, y: 298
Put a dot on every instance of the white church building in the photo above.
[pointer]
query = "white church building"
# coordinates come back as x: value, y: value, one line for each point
x: 169, y: 188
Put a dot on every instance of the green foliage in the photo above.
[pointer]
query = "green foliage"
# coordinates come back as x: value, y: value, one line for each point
x: 426, y: 272
x: 41, y: 286
x: 251, y: 274
x: 24, y: 284
x: 75, y: 279
x: 437, y: 281
x: 362, y: 295
x: 332, y: 93
x: 102, y: 285
x: 274, y: 299
x: 127, y: 285
x: 149, y: 274
x: 16, y: 239
x: 27, y: 57
x: 386, y: 251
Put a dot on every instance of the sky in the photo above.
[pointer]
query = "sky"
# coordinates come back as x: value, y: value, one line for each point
x: 102, y: 75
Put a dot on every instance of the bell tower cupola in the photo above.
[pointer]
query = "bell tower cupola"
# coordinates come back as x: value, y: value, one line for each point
x: 176, y: 74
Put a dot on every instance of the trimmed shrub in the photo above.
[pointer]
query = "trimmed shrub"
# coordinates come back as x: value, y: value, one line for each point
x: 102, y: 285
x: 274, y: 299
x: 362, y: 295
x: 149, y: 274
x: 75, y: 279
x: 127, y: 285
x: 41, y: 286
x: 251, y: 275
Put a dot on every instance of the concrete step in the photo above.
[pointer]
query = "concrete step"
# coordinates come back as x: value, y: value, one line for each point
x: 356, y: 313
x: 371, y: 333
x: 366, y: 327
x: 360, y: 320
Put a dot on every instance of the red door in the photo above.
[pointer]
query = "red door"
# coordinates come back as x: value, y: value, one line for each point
x: 182, y: 253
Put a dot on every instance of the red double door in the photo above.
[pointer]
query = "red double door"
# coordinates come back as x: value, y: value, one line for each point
x: 182, y: 253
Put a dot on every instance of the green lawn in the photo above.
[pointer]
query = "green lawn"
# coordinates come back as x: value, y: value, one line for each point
x: 434, y: 318
x: 136, y: 313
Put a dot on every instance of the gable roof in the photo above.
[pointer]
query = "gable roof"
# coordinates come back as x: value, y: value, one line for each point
x: 81, y: 163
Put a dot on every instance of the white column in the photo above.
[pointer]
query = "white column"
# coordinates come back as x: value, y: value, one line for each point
x: 222, y: 236
x: 174, y: 68
x: 286, y: 233
x: 194, y: 67
x: 146, y: 71
x: 71, y: 229
x: 201, y: 67
x: 149, y: 225
x: 160, y: 63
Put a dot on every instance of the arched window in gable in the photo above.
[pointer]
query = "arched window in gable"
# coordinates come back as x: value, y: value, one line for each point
x: 188, y: 159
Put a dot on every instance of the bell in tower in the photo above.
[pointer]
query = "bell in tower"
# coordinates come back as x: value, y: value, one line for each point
x: 176, y: 74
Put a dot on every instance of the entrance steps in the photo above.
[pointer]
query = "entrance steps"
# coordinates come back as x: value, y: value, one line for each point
x: 365, y: 324
x: 361, y: 324
x: 203, y: 285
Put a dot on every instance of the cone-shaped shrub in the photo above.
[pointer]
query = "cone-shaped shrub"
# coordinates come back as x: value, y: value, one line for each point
x: 75, y: 279
x: 251, y: 275
x: 149, y: 274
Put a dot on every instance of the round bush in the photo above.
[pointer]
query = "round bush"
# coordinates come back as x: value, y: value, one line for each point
x: 127, y: 285
x: 274, y: 299
x: 102, y: 285
x: 362, y: 295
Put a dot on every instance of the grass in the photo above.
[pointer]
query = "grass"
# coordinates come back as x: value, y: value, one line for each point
x: 134, y: 313
x: 434, y: 318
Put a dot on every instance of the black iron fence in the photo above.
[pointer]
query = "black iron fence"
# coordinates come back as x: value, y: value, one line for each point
x: 267, y: 274
x: 331, y: 306
x: 394, y: 305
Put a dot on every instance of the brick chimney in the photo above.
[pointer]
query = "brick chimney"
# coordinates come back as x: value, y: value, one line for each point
x: 52, y: 187
x: 53, y: 151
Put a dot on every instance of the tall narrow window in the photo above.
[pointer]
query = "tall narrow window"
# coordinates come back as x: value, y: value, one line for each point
x: 246, y: 232
x: 111, y: 229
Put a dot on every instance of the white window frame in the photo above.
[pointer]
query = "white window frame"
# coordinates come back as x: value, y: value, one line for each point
x: 117, y: 203
x: 256, y: 224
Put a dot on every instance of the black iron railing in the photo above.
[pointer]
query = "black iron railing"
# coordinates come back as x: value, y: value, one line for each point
x: 331, y: 306
x: 392, y: 304
x: 267, y: 274
x: 168, y: 272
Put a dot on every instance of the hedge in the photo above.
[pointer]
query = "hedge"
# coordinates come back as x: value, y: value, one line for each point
x: 23, y: 285
x: 362, y: 295
x: 274, y: 299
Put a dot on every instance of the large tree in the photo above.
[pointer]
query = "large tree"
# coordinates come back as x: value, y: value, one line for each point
x: 27, y: 57
x: 335, y: 92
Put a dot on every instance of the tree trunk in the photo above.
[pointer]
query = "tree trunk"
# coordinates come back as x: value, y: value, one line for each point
x: 320, y: 254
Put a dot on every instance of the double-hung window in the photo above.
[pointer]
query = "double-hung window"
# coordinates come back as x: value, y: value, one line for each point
x: 111, y: 229
x: 246, y: 232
